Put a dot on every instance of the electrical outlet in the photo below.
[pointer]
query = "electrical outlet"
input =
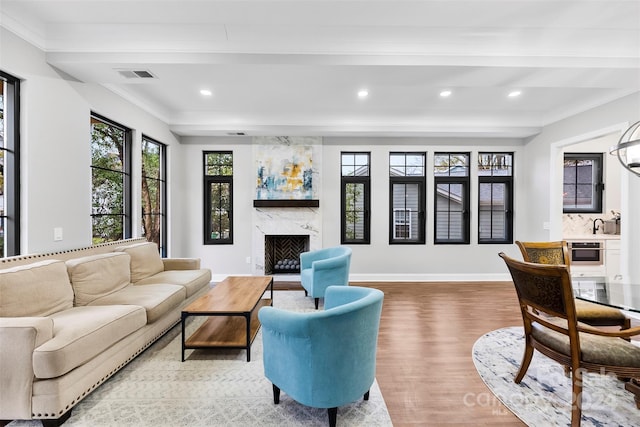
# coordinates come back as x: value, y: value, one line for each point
x: 248, y: 260
x: 546, y: 225
x: 57, y: 234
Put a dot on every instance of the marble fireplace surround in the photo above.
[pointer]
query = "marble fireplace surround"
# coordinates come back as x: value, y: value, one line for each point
x: 283, y: 221
x: 305, y: 221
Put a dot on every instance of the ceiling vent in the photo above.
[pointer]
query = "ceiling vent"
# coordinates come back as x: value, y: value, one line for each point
x: 236, y: 133
x: 136, y: 74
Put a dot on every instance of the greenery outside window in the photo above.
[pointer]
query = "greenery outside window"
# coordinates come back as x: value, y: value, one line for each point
x: 218, y: 196
x: 9, y: 165
x: 582, y: 183
x: 495, y: 198
x: 355, y: 197
x: 154, y: 193
x: 451, y: 175
x: 111, y: 180
x: 407, y: 192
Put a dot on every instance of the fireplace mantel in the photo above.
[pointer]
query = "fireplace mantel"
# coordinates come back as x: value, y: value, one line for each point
x: 286, y: 203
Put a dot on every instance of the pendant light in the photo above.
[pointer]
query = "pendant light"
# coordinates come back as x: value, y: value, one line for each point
x: 628, y: 149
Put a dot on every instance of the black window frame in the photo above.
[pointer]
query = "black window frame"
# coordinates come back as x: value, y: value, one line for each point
x: 162, y: 187
x: 208, y: 181
x: 597, y: 182
x: 508, y: 182
x: 10, y: 218
x: 449, y: 179
x: 126, y: 215
x: 360, y: 178
x: 397, y: 177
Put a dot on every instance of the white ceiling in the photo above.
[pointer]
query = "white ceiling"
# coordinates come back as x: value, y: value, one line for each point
x: 295, y: 67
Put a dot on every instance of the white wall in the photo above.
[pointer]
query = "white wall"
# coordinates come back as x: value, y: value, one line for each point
x: 55, y: 187
x: 544, y: 152
x: 55, y: 150
x: 221, y: 259
x: 56, y: 181
x: 377, y: 261
x: 380, y: 260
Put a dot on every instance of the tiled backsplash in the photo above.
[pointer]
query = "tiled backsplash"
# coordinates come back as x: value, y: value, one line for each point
x: 581, y: 224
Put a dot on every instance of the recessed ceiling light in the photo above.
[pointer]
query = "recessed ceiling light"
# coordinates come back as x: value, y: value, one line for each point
x: 445, y: 93
x: 363, y: 93
x: 514, y: 93
x: 205, y: 92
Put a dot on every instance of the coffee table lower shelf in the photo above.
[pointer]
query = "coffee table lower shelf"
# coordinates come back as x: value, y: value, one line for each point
x: 224, y: 330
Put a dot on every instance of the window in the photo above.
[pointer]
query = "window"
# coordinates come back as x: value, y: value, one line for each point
x: 111, y: 180
x: 451, y: 172
x: 495, y: 198
x: 402, y: 224
x: 582, y: 183
x: 355, y: 197
x: 9, y: 165
x: 154, y: 193
x: 407, y: 205
x: 218, y: 196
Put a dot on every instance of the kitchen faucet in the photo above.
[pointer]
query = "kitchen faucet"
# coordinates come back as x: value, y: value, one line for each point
x: 595, y: 227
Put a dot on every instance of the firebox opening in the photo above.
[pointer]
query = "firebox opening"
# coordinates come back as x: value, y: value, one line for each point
x: 282, y: 253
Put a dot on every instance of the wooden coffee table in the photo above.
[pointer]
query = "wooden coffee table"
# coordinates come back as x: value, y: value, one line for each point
x: 232, y: 307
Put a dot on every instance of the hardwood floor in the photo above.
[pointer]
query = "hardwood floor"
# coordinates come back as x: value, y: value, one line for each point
x: 424, y: 365
x: 425, y: 370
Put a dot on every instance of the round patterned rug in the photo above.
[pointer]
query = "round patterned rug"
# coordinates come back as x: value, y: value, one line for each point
x: 543, y: 398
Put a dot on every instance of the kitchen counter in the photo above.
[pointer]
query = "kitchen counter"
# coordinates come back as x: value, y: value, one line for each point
x: 598, y: 236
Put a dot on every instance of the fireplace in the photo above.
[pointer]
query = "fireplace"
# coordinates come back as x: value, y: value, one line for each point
x: 282, y: 253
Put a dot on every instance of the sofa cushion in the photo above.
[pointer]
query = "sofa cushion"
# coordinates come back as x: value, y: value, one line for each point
x: 95, y: 276
x: 81, y: 333
x: 145, y: 260
x: 37, y: 289
x: 157, y: 300
x: 191, y: 280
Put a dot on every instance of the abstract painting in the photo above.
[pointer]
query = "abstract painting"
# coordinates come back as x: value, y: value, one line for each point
x: 284, y: 172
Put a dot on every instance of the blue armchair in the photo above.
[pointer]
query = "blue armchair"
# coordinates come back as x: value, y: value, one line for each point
x: 322, y: 268
x: 324, y: 359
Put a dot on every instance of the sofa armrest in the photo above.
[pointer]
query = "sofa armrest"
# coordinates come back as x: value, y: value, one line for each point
x: 19, y: 337
x: 181, y: 263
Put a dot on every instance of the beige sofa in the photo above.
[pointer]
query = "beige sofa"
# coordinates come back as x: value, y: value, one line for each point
x: 70, y: 320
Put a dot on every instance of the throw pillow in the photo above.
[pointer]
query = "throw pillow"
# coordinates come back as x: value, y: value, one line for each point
x: 145, y: 260
x: 95, y: 276
x: 37, y: 289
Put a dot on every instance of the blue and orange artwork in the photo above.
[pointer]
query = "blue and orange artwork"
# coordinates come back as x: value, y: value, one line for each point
x: 284, y: 172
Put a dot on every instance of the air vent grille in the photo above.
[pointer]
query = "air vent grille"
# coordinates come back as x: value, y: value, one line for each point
x: 136, y: 74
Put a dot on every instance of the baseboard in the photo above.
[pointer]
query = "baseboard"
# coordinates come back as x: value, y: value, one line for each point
x: 353, y: 278
x: 430, y: 277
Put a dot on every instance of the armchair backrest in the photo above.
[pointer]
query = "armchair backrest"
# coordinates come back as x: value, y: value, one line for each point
x: 323, y: 268
x: 324, y: 358
x: 555, y: 253
x: 340, y: 256
x: 550, y: 325
x: 545, y: 290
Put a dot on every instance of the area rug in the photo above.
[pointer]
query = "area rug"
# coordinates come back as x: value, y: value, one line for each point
x: 543, y: 398
x: 211, y: 388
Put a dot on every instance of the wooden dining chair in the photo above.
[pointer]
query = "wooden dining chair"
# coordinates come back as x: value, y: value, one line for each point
x: 557, y: 253
x: 550, y: 325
